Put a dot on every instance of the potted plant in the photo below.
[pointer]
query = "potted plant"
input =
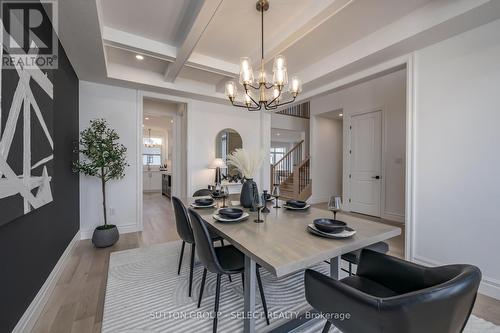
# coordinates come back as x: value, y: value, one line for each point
x: 103, y: 157
x: 247, y: 163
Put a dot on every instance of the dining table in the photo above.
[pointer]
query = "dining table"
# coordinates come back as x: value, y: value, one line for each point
x: 282, y: 245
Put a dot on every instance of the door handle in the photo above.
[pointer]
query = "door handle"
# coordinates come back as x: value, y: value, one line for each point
x: 376, y: 177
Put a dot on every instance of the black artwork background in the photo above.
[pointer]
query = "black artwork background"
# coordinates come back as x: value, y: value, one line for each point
x: 13, y: 207
x: 31, y: 245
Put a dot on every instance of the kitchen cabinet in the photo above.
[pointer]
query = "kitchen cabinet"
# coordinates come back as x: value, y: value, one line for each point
x: 151, y: 181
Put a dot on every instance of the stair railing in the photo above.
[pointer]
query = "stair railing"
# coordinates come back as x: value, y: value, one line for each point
x: 283, y: 169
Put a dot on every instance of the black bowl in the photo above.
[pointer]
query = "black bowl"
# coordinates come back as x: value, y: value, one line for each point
x: 231, y: 213
x: 204, y: 202
x: 296, y: 203
x: 329, y: 225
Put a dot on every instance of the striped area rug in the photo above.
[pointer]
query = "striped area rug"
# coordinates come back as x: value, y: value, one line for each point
x: 145, y: 294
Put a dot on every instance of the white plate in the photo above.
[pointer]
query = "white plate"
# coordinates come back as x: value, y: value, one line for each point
x: 343, y: 234
x: 223, y: 219
x: 297, y: 208
x: 198, y: 206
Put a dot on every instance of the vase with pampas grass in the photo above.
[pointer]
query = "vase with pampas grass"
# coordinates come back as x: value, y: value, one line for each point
x: 247, y: 163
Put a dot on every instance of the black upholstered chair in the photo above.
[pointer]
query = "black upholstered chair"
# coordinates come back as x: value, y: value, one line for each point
x: 391, y: 295
x: 202, y: 193
x: 225, y: 260
x: 353, y: 257
x: 186, y: 234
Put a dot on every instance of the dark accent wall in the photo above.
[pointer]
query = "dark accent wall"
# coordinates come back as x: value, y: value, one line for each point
x: 31, y: 245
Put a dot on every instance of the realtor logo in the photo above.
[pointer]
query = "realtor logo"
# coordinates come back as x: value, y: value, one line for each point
x: 29, y: 34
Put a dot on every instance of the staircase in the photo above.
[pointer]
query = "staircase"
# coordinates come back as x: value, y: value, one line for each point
x: 292, y: 174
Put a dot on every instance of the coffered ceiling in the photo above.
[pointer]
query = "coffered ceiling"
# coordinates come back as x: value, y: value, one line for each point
x: 191, y: 47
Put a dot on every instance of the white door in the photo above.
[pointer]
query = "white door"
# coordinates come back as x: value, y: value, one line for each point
x: 366, y: 160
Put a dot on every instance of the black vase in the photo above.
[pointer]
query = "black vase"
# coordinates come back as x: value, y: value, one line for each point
x: 247, y: 193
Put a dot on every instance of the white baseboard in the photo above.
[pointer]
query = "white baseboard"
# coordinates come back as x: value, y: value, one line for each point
x: 123, y: 229
x: 489, y: 286
x: 34, y: 310
x: 393, y: 217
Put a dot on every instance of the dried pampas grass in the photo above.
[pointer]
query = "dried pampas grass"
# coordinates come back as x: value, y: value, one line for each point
x: 247, y: 162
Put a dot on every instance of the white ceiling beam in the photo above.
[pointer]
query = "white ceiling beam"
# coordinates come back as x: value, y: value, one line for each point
x: 202, y: 20
x: 214, y: 65
x: 302, y: 24
x: 139, y: 44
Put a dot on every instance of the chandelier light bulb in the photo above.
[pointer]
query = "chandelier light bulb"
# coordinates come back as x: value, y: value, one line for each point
x: 295, y: 86
x: 279, y: 63
x: 246, y: 71
x: 231, y: 89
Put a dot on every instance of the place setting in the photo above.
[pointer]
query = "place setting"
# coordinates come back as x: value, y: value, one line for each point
x: 296, y: 205
x: 201, y: 203
x: 230, y: 215
x: 331, y: 228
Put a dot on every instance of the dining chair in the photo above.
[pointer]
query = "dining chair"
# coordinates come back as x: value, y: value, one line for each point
x: 186, y: 234
x: 353, y: 257
x: 202, y: 193
x: 225, y: 260
x: 392, y: 295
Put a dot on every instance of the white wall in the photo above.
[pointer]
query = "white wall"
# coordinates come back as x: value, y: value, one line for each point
x: 119, y: 107
x: 457, y: 165
x: 386, y: 93
x: 326, y: 158
x: 205, y: 121
x: 280, y: 121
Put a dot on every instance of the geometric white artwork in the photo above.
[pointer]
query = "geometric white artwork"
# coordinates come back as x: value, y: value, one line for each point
x: 26, y: 142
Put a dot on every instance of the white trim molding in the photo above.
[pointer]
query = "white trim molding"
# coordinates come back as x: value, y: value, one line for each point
x: 123, y: 229
x: 489, y: 286
x: 34, y: 310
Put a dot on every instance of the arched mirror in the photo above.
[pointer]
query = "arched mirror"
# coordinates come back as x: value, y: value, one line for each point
x: 225, y: 143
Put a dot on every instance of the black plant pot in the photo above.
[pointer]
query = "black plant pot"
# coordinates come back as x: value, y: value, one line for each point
x: 105, y: 236
x: 247, y: 193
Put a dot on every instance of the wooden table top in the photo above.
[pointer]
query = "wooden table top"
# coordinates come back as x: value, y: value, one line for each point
x: 282, y: 244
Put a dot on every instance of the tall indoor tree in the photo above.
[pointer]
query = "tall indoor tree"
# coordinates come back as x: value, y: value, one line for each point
x: 105, y: 158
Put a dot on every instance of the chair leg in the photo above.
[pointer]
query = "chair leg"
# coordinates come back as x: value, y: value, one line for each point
x: 222, y: 242
x: 262, y: 296
x: 180, y: 258
x: 217, y: 299
x: 203, y: 279
x: 243, y: 280
x: 229, y: 277
x: 350, y: 269
x: 327, y: 327
x: 191, y: 270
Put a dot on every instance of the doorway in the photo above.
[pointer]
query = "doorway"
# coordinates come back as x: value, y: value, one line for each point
x: 366, y: 163
x: 162, y: 161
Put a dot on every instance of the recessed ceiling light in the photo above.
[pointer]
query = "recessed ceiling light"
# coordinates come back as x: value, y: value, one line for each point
x: 278, y: 134
x: 147, y: 118
x: 341, y: 114
x: 171, y: 121
x: 139, y: 57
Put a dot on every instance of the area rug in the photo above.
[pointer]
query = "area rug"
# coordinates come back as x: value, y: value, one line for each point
x: 145, y: 294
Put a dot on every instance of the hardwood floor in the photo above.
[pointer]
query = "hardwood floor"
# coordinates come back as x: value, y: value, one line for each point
x: 77, y: 302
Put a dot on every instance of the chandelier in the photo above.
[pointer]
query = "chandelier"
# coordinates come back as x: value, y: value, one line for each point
x: 261, y: 93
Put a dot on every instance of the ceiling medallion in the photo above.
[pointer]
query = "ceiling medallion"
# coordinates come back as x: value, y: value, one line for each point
x: 268, y: 94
